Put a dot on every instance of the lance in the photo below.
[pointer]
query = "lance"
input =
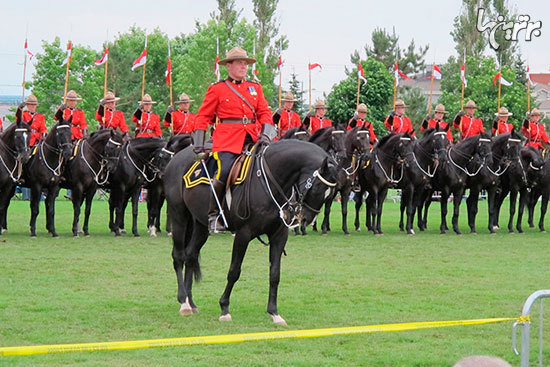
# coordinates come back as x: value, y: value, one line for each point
x: 24, y: 72
x: 431, y: 92
x: 499, y: 87
x: 143, y: 73
x: 358, y: 86
x: 309, y: 67
x: 106, y: 73
x: 394, y: 89
x: 70, y: 56
x: 528, y: 90
x: 462, y: 78
x: 280, y: 73
x: 170, y: 75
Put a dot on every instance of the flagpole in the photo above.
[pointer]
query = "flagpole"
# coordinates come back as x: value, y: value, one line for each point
x: 462, y: 80
x: 106, y: 73
x: 309, y: 67
x: 280, y: 73
x: 170, y: 75
x: 358, y: 89
x: 499, y: 85
x: 67, y: 73
x: 528, y: 93
x: 24, y: 72
x: 394, y: 90
x: 143, y: 73
x: 431, y: 92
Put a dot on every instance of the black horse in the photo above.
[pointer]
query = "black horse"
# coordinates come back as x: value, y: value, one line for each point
x: 420, y: 168
x: 94, y: 159
x: 298, y: 133
x: 541, y: 189
x: 155, y: 189
x: 43, y: 171
x: 465, y: 159
x: 385, y: 169
x: 14, y: 152
x: 288, y: 180
x: 523, y: 173
x: 135, y: 168
x: 357, y: 147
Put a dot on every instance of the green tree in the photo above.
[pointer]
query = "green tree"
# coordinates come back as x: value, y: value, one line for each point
x: 465, y: 33
x: 49, y: 79
x: 228, y: 14
x: 480, y: 72
x: 376, y: 94
x: 416, y: 102
x: 295, y: 87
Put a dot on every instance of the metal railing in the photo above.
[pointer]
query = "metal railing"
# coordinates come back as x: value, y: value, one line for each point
x: 526, y: 327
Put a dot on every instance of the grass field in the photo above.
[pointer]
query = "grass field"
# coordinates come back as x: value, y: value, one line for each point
x: 101, y: 288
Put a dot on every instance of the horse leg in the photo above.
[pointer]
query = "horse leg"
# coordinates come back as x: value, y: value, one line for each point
x: 381, y: 197
x: 195, y: 240
x: 531, y: 207
x: 76, y: 198
x: 411, y: 208
x: 358, y: 204
x: 457, y: 198
x: 325, y: 227
x: 50, y: 209
x: 402, y: 208
x: 344, y: 198
x: 543, y: 207
x: 135, y: 201
x: 159, y: 210
x: 36, y: 192
x: 180, y: 227
x: 499, y: 199
x: 471, y: 204
x: 443, y: 203
x: 523, y: 199
x: 491, y: 192
x: 513, y: 197
x: 277, y: 242
x: 87, y: 211
x: 240, y: 245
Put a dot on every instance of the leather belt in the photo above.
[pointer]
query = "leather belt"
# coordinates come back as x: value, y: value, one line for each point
x: 245, y: 120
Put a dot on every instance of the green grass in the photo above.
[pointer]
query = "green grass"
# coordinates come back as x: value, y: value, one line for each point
x: 101, y: 288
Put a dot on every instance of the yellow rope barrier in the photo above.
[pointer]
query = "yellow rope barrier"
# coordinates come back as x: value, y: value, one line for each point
x: 239, y: 338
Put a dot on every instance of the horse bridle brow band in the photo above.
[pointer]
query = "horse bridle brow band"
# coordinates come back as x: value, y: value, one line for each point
x: 322, y: 179
x: 63, y: 126
x: 485, y: 140
x: 114, y: 142
x: 515, y: 140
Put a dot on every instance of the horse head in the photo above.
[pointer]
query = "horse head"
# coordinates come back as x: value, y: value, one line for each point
x: 532, y: 158
x: 174, y: 145
x: 435, y: 142
x: 112, y: 150
x: 62, y: 137
x: 505, y: 147
x: 21, y: 139
x: 298, y: 133
x: 358, y: 140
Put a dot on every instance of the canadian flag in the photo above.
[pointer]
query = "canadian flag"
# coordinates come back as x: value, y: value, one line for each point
x: 141, y: 60
x: 313, y: 66
x: 436, y: 72
x: 255, y: 73
x: 280, y: 63
x: 502, y: 80
x: 31, y: 55
x: 361, y: 73
x: 398, y: 73
x: 463, y: 75
x: 168, y: 71
x: 69, y: 54
x: 529, y: 78
x: 103, y: 59
x: 217, y: 68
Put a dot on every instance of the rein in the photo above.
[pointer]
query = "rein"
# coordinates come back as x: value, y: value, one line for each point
x: 142, y: 171
x: 18, y: 163
x: 101, y: 165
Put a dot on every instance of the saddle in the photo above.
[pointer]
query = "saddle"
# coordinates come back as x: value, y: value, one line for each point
x: 196, y: 174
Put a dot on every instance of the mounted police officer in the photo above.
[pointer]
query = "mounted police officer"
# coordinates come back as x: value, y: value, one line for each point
x: 316, y: 120
x: 147, y: 122
x: 241, y: 107
x: 500, y: 123
x: 396, y: 122
x: 466, y: 123
x: 534, y: 130
x: 79, y: 128
x: 181, y: 120
x: 37, y: 122
x: 284, y: 117
x: 108, y: 116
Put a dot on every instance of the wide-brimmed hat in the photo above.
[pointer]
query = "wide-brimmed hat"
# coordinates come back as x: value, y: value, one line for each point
x: 470, y: 104
x: 400, y: 103
x: 288, y: 97
x: 534, y: 112
x: 72, y: 96
x: 440, y: 108
x: 237, y: 53
x: 503, y: 111
x: 320, y: 104
x: 32, y: 100
x: 109, y: 97
x: 362, y: 107
x: 147, y: 99
x: 184, y: 98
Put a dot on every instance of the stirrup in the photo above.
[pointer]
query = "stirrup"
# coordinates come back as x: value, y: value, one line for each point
x: 216, y: 225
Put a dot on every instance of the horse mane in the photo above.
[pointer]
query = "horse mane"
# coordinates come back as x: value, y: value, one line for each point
x: 179, y: 142
x: 321, y: 135
x: 7, y: 135
x: 385, y: 139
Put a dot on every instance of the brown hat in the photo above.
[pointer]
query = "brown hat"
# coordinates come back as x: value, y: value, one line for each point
x: 320, y: 104
x: 503, y: 111
x: 32, y: 100
x: 184, y: 98
x: 72, y: 96
x: 534, y: 112
x: 440, y: 108
x: 288, y: 97
x: 400, y: 103
x: 147, y: 99
x: 109, y: 97
x: 470, y: 104
x: 237, y: 53
x: 362, y: 107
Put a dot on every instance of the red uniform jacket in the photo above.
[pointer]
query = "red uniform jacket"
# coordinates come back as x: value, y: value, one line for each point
x: 37, y: 122
x: 79, y: 121
x: 503, y: 127
x: 471, y: 126
x: 114, y: 119
x: 400, y: 124
x: 442, y: 125
x: 536, y: 135
x: 288, y: 120
x: 183, y: 122
x: 367, y: 124
x: 148, y: 126
x: 222, y: 102
x: 316, y: 123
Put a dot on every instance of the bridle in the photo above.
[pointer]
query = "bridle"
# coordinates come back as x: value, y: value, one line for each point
x: 469, y: 158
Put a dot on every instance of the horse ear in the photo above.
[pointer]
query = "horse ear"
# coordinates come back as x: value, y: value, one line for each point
x: 437, y: 126
x: 59, y: 115
x: 447, y: 127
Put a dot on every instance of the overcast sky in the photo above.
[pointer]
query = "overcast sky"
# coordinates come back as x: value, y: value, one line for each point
x: 322, y: 31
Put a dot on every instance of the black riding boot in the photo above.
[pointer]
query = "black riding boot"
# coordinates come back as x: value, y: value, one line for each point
x: 215, y: 221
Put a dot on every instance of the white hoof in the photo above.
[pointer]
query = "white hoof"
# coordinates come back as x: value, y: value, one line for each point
x: 153, y: 231
x: 185, y: 308
x: 412, y: 231
x: 4, y: 230
x: 169, y: 234
x: 278, y: 320
x: 495, y: 228
x: 226, y: 317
